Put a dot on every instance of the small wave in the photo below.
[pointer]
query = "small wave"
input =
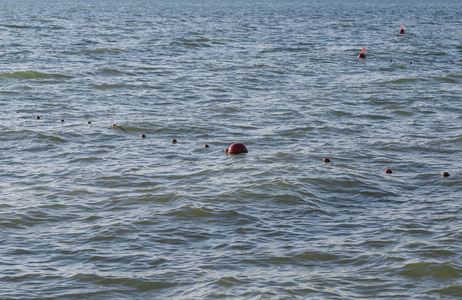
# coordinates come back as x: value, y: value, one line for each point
x: 107, y: 86
x: 30, y: 75
x: 110, y: 50
x: 408, y: 80
x: 455, y: 291
x: 192, y: 43
x: 436, y: 270
x: 317, y: 256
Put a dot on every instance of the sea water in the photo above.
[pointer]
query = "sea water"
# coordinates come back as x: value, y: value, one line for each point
x: 90, y: 210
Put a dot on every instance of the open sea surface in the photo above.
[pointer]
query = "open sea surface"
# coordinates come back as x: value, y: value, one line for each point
x: 94, y: 211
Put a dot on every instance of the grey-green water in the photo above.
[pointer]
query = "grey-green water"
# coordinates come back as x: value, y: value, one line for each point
x: 92, y: 211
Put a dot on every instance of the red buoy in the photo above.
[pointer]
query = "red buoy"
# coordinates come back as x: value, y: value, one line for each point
x: 174, y: 141
x: 388, y: 171
x: 326, y: 160
x: 362, y: 55
x: 237, y: 148
x: 143, y: 136
x: 205, y: 146
x: 445, y: 174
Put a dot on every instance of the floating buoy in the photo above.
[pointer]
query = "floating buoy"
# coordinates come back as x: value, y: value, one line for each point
x: 326, y: 160
x: 410, y: 62
x: 62, y: 120
x: 205, y: 146
x: 143, y: 136
x: 362, y: 55
x: 88, y: 122
x: 401, y: 31
x: 114, y: 125
x: 236, y: 148
x: 174, y: 141
x: 445, y: 174
x: 388, y: 171
x: 37, y: 117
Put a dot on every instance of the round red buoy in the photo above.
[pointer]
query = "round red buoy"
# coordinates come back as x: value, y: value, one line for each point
x: 205, y: 146
x: 388, y: 171
x: 143, y: 136
x: 88, y: 122
x: 401, y: 31
x: 62, y: 120
x: 362, y: 55
x: 391, y: 59
x: 174, y: 141
x: 237, y: 148
x: 114, y: 125
x: 445, y: 174
x: 37, y: 117
x: 410, y: 62
x: 326, y: 160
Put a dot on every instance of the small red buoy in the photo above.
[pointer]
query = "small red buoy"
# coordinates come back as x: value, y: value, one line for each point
x: 410, y: 62
x: 445, y: 174
x: 388, y: 171
x: 401, y: 31
x: 37, y: 117
x: 88, y: 122
x: 326, y: 160
x: 362, y: 55
x: 62, y: 120
x: 237, y: 148
x: 114, y: 125
x: 143, y: 136
x: 174, y: 141
x: 205, y: 146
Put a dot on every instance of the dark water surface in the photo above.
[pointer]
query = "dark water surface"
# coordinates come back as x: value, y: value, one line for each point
x: 93, y: 211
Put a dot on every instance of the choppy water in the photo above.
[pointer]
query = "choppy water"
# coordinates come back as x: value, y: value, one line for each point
x: 92, y: 211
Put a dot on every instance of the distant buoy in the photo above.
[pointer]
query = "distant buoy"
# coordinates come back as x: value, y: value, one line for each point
x: 410, y: 62
x: 62, y: 120
x: 401, y: 31
x: 445, y: 174
x: 237, y: 148
x: 326, y: 160
x: 114, y: 125
x: 391, y: 59
x: 388, y: 171
x: 174, y: 141
x: 143, y: 136
x: 362, y: 55
x: 205, y: 146
x: 88, y: 122
x: 37, y: 117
